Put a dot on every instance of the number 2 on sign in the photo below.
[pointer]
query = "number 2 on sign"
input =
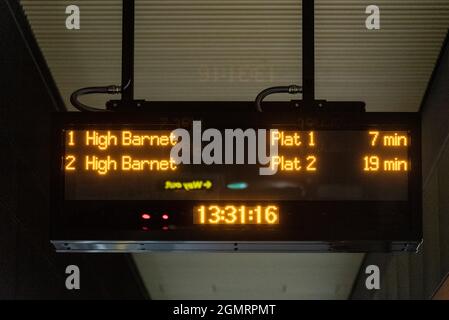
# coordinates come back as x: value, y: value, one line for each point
x: 70, y: 160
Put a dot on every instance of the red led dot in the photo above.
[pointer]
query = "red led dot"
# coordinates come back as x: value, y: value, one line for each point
x: 146, y: 216
x: 145, y: 228
x: 165, y: 228
x: 165, y: 216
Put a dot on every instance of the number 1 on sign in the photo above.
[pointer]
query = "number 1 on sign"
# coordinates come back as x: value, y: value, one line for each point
x: 71, y: 138
x: 311, y: 139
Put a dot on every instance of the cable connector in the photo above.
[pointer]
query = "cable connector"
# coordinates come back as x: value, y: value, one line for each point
x: 294, y: 89
x: 291, y: 89
x: 112, y: 89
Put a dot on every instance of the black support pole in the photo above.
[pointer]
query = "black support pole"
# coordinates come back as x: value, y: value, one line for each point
x: 128, y: 13
x: 308, y: 50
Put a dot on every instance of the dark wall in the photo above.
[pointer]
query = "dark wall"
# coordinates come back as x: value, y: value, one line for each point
x: 29, y: 266
x: 417, y: 276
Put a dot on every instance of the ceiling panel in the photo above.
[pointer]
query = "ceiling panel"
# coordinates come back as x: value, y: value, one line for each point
x: 248, y: 275
x: 230, y: 50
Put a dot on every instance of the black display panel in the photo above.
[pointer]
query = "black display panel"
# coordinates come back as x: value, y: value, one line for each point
x: 336, y: 178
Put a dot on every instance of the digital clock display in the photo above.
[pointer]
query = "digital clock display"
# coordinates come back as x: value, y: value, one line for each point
x: 236, y: 214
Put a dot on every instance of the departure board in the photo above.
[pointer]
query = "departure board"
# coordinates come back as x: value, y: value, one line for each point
x: 238, y: 181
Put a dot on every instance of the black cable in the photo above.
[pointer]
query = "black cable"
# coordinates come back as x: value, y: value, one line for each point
x: 92, y: 90
x: 292, y: 89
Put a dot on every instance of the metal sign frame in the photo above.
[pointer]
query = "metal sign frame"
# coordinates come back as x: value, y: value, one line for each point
x: 343, y: 226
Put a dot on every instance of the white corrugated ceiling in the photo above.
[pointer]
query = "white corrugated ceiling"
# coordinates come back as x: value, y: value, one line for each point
x: 230, y: 50
x: 249, y: 275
